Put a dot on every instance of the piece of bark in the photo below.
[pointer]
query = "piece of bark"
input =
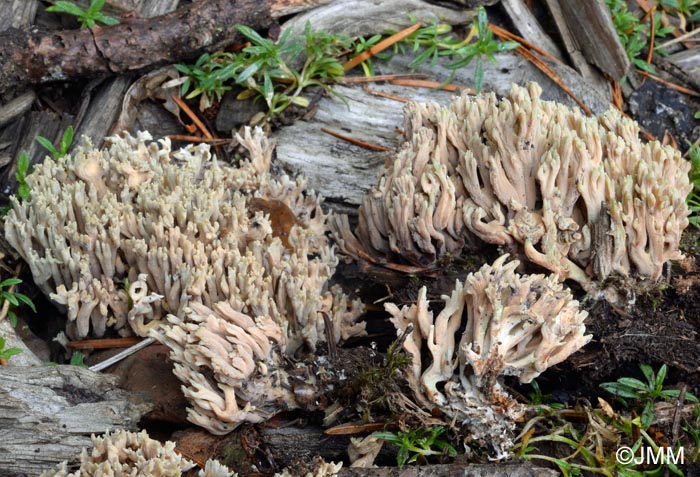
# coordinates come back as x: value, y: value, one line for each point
x: 23, y: 135
x: 17, y: 13
x: 33, y: 56
x: 578, y: 60
x: 529, y: 28
x: 592, y: 28
x: 688, y: 61
x: 105, y: 106
x: 368, y: 17
x: 47, y: 414
x: 17, y: 107
x: 452, y: 470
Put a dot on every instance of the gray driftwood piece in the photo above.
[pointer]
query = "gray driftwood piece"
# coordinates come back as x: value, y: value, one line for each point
x: 367, y: 17
x: 343, y: 172
x: 529, y: 28
x: 452, y: 470
x: 17, y: 13
x: 47, y: 414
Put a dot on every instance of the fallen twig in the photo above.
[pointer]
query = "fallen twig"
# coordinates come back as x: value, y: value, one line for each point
x: 120, y: 356
x: 675, y: 86
x: 504, y: 34
x: 192, y: 116
x: 377, y: 78
x: 381, y: 46
x: 188, y: 138
x: 431, y: 85
x: 105, y: 343
x: 382, y: 94
x: 357, y: 142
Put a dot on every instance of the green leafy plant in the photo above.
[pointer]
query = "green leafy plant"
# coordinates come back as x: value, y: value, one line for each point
x: 693, y: 199
x: 87, y: 18
x: 434, y: 41
x: 78, y: 359
x: 592, y: 437
x: 15, y: 299
x: 21, y: 175
x: 66, y: 141
x: 646, y: 392
x: 6, y: 354
x: 692, y: 428
x: 484, y: 46
x: 634, y: 34
x: 689, y: 9
x: 266, y: 70
x: 415, y: 445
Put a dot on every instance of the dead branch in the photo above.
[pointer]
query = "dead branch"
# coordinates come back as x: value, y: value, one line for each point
x: 33, y: 56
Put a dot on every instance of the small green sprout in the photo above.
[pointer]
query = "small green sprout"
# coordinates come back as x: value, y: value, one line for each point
x: 6, y: 354
x: 647, y: 392
x: 21, y: 175
x: 14, y: 298
x: 78, y: 359
x: 66, y: 141
x: 87, y: 18
x: 417, y: 444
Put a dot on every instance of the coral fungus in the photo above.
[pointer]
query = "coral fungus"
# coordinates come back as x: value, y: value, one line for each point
x: 516, y: 325
x: 580, y: 196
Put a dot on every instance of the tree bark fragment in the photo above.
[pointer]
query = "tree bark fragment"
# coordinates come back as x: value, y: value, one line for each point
x: 33, y: 56
x: 47, y: 414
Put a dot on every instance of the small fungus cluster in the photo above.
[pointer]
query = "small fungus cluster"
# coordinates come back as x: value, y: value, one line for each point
x: 516, y: 325
x: 124, y: 454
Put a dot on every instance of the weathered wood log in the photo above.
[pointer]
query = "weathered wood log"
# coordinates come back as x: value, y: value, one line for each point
x: 34, y: 56
x: 47, y: 414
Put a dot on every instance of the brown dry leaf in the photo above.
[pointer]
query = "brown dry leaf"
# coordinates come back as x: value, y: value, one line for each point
x: 282, y: 218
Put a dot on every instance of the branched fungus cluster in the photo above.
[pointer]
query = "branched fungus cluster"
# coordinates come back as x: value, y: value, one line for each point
x: 126, y: 236
x: 580, y: 196
x: 517, y: 325
x: 124, y: 453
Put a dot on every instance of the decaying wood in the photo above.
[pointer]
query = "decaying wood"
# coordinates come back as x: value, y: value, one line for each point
x: 26, y: 357
x: 103, y: 108
x: 34, y: 56
x: 17, y: 13
x: 368, y: 17
x: 452, y: 470
x: 688, y: 61
x: 578, y: 60
x: 592, y: 28
x: 342, y: 172
x: 529, y: 28
x: 47, y: 414
x: 17, y: 107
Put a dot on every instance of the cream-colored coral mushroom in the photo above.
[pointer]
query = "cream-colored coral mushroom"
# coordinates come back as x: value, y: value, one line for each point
x: 516, y: 325
x: 580, y: 196
x: 124, y: 453
x: 125, y: 235
x: 237, y: 368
